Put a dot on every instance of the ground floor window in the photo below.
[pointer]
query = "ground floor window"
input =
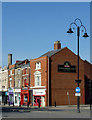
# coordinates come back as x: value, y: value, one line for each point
x: 11, y: 98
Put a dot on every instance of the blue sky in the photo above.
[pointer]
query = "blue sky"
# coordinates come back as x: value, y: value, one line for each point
x: 30, y: 29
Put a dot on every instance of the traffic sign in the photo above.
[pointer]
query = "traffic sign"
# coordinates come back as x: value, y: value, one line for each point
x: 77, y: 94
x: 77, y: 89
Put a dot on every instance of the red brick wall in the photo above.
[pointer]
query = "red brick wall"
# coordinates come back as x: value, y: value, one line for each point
x: 25, y: 74
x: 87, y: 69
x: 61, y: 82
x: 44, y: 73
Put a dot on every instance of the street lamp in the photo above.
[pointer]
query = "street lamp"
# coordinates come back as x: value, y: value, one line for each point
x: 78, y: 35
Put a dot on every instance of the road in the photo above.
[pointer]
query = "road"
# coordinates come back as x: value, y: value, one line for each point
x: 57, y: 112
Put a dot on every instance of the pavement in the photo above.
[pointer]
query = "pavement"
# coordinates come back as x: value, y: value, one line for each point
x: 51, y: 108
x: 66, y: 111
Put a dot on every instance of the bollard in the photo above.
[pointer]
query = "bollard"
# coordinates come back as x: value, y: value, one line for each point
x: 9, y: 103
x: 20, y: 104
x: 55, y: 103
x: 13, y: 104
x: 4, y: 103
x: 28, y: 104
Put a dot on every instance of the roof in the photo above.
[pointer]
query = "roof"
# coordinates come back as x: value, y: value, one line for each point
x: 50, y: 53
x: 21, y: 64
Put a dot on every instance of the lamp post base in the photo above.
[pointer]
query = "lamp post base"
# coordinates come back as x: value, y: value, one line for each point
x: 78, y: 111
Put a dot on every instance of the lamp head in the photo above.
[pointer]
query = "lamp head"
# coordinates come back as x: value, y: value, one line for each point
x: 70, y: 31
x: 85, y: 35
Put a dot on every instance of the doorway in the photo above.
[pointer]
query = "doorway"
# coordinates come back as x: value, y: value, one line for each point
x: 36, y: 100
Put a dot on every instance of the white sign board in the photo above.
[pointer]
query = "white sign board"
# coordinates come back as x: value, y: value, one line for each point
x: 39, y: 92
x: 77, y: 94
x: 17, y: 90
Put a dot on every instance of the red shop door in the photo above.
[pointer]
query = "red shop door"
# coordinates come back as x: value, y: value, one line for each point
x: 36, y: 100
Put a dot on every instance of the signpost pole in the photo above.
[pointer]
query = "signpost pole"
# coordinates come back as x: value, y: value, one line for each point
x: 78, y: 35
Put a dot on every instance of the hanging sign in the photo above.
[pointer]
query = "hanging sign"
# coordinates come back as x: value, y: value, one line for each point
x: 66, y: 67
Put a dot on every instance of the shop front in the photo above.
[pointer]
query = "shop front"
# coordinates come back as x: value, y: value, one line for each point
x: 17, y: 97
x: 39, y: 96
x: 24, y: 96
x: 11, y: 96
x: 4, y: 97
x: 0, y: 97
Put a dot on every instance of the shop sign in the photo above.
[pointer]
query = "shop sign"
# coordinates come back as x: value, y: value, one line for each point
x: 17, y: 90
x: 10, y: 90
x: 25, y: 88
x: 66, y: 67
x: 38, y: 92
x: 24, y: 92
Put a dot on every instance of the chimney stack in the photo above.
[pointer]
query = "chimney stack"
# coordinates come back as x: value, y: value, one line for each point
x: 57, y: 45
x: 9, y: 59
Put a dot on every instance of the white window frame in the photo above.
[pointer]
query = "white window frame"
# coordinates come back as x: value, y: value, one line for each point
x: 18, y: 71
x: 10, y: 82
x: 37, y: 74
x: 10, y: 72
x: 37, y: 83
x: 38, y: 65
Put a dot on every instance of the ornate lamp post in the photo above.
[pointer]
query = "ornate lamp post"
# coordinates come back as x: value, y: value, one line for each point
x: 78, y: 35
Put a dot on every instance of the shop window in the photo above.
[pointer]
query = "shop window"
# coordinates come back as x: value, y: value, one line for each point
x: 11, y: 98
x: 16, y: 99
x: 38, y: 65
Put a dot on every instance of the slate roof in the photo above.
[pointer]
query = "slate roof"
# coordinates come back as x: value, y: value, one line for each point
x: 50, y: 53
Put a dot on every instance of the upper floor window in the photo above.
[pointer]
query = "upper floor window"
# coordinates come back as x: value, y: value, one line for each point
x: 19, y: 83
x: 10, y: 82
x: 10, y: 72
x: 37, y: 78
x: 18, y: 71
x: 25, y: 71
x: 38, y: 65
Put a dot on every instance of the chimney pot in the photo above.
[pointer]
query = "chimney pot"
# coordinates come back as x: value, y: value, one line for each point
x: 57, y: 45
x: 9, y: 59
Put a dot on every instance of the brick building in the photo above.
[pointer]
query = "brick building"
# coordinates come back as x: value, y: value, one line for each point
x: 53, y: 76
x: 16, y: 80
x: 39, y: 80
x: 4, y: 84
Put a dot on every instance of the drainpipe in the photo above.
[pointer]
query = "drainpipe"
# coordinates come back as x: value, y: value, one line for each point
x: 48, y: 81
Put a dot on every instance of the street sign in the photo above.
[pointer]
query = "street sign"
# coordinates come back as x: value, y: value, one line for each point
x: 77, y: 94
x: 77, y: 89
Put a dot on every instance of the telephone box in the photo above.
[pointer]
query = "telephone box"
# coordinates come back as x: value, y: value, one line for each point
x: 26, y: 96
